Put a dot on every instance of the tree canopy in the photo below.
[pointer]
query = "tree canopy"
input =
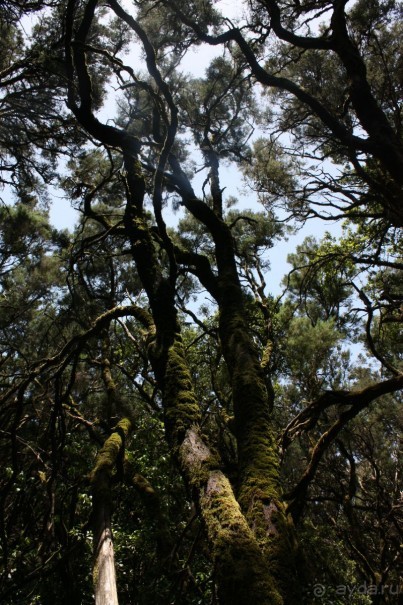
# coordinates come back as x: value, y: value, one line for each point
x: 173, y: 430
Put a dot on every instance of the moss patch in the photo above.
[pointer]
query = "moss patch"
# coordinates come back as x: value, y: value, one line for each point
x: 107, y: 456
x: 181, y: 407
x: 242, y: 572
x: 259, y: 492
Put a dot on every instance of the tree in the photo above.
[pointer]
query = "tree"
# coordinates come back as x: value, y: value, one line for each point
x: 346, y: 62
x: 271, y: 426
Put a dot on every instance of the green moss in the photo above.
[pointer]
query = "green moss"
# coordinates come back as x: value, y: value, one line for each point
x: 257, y: 449
x: 259, y: 492
x: 181, y: 407
x: 266, y: 357
x: 95, y: 573
x: 107, y: 456
x: 241, y: 568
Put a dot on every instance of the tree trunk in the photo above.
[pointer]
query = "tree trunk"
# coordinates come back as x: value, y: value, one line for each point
x: 104, y: 576
x: 241, y: 569
x: 240, y: 565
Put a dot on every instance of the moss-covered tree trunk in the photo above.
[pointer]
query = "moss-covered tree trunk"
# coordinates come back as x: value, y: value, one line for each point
x: 242, y: 572
x: 258, y: 489
x: 241, y: 568
x: 104, y: 575
x: 258, y: 486
x: 256, y: 537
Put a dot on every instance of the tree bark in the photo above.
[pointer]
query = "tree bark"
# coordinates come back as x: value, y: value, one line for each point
x: 104, y: 575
